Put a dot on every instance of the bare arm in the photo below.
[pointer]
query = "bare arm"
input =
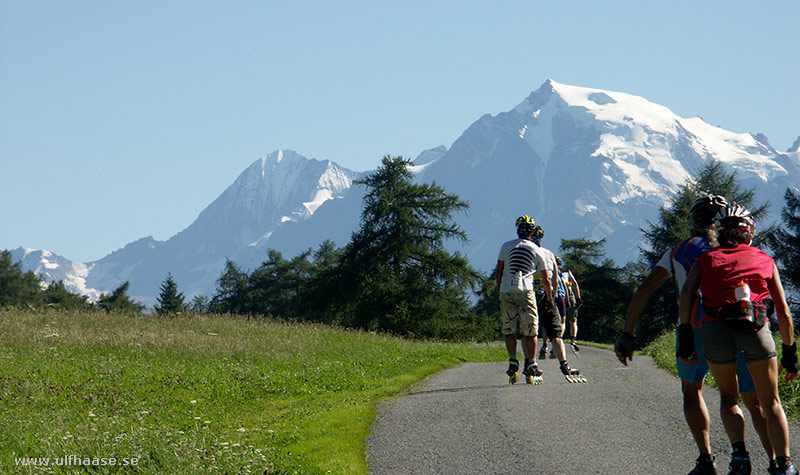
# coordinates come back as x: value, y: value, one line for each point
x: 498, y: 273
x: 656, y: 279
x: 689, y: 294
x: 781, y: 308
x: 548, y: 291
x: 575, y: 285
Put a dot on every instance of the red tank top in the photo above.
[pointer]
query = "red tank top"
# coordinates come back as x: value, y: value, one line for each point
x: 721, y: 269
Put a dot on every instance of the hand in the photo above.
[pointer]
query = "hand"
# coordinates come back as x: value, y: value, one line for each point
x: 624, y: 348
x: 690, y: 360
x: 579, y: 302
x: 789, y: 361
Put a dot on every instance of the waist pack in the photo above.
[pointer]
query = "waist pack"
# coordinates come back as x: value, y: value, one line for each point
x: 743, y: 316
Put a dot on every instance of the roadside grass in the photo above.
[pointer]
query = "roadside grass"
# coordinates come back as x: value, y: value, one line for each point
x: 663, y: 352
x: 200, y: 393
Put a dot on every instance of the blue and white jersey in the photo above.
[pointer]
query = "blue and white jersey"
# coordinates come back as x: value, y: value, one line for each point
x: 678, y: 261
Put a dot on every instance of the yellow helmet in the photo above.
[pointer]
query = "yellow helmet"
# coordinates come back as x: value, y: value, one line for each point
x: 525, y: 220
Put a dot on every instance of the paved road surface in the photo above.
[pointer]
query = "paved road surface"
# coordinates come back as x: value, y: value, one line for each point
x: 626, y: 420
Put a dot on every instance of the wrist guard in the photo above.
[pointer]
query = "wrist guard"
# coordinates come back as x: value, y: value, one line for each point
x: 685, y: 340
x: 789, y: 358
x: 625, y: 344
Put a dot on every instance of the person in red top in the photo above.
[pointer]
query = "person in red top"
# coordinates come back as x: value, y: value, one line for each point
x: 734, y: 279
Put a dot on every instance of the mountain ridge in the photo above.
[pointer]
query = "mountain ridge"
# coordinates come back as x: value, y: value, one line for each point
x: 584, y: 162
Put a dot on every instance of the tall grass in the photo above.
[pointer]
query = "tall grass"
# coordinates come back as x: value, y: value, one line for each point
x: 663, y: 352
x: 200, y: 393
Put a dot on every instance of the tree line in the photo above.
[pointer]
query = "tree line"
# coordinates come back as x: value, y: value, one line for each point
x: 396, y: 276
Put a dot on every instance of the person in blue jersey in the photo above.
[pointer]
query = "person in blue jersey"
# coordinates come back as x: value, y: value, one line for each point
x: 677, y: 263
x: 574, y: 302
x: 518, y: 261
x: 561, y: 304
x: 549, y: 315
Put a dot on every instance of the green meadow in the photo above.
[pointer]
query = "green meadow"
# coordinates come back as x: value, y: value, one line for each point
x: 199, y: 393
x: 209, y: 393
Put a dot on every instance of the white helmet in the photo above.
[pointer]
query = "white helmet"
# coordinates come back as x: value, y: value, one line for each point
x: 734, y: 216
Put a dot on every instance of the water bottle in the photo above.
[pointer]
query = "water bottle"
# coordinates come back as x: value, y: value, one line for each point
x: 742, y: 291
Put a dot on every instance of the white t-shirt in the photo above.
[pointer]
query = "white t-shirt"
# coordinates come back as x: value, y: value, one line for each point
x: 521, y: 258
x: 551, y: 266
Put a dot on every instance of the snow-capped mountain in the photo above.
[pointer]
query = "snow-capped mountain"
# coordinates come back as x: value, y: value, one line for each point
x: 584, y: 162
x: 52, y: 268
x: 591, y: 163
x: 276, y: 190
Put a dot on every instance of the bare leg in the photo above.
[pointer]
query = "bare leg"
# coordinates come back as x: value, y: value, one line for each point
x: 558, y: 349
x: 765, y: 375
x: 729, y: 410
x: 511, y: 345
x: 529, y: 346
x: 750, y: 400
x: 696, y: 413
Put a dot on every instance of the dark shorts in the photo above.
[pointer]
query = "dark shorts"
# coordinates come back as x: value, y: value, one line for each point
x: 722, y: 343
x: 697, y: 372
x: 549, y: 324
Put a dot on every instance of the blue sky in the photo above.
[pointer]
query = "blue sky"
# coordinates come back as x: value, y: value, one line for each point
x: 120, y: 120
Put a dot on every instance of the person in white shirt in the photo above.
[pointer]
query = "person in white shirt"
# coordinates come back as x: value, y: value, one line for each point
x: 518, y: 261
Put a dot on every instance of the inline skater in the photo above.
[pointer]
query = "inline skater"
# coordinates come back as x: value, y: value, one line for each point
x: 550, y: 319
x: 574, y: 303
x: 517, y: 262
x: 735, y: 279
x: 677, y: 262
x: 561, y: 304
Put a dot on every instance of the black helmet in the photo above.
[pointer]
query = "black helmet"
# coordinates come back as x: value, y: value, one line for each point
x: 707, y: 206
x: 538, y: 233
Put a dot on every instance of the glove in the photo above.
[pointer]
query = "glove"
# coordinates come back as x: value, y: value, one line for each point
x: 579, y: 302
x: 624, y: 347
x: 789, y: 358
x: 685, y: 340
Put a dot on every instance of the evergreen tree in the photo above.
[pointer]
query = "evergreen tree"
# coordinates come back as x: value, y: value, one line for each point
x: 307, y: 305
x: 394, y: 274
x: 231, y: 291
x: 18, y: 288
x: 200, y: 304
x: 605, y: 288
x: 273, y: 288
x: 784, y: 242
x: 120, y: 302
x: 487, y: 309
x: 57, y: 295
x: 170, y: 301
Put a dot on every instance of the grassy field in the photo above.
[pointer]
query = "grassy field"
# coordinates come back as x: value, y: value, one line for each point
x: 199, y: 393
x: 663, y: 352
x: 209, y: 393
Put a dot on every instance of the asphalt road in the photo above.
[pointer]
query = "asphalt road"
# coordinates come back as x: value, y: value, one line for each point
x: 625, y: 420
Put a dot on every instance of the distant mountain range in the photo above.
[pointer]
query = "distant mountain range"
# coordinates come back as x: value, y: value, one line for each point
x: 583, y: 162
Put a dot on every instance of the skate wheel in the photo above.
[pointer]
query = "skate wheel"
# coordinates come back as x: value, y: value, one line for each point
x: 513, y: 379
